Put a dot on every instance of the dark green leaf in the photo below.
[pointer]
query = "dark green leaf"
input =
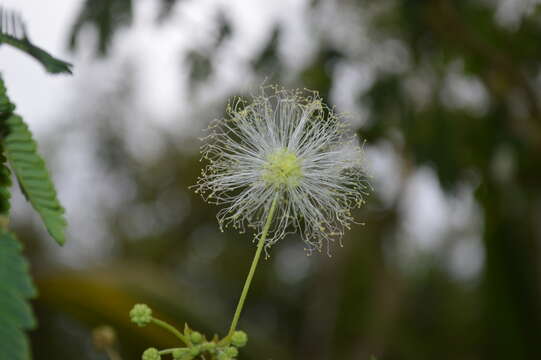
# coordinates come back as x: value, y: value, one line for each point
x: 13, y: 32
x: 15, y: 289
x: 33, y: 177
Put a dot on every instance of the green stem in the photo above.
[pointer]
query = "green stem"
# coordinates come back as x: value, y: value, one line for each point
x: 255, y: 261
x: 169, y: 351
x: 171, y: 329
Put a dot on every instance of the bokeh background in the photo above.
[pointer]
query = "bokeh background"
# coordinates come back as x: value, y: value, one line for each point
x: 446, y: 96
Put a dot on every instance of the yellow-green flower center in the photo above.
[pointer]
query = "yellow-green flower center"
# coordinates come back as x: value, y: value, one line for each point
x: 282, y: 168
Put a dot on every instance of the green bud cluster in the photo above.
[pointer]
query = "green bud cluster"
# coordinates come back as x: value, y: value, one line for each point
x: 141, y: 314
x: 197, y: 344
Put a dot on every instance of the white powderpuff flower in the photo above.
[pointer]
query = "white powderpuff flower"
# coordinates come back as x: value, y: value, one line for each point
x: 290, y: 145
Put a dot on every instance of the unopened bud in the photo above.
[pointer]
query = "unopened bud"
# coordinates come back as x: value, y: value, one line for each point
x: 151, y: 354
x: 141, y: 315
x: 196, y: 337
x: 239, y: 338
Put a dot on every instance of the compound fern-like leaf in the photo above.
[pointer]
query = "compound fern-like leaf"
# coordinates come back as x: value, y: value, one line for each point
x: 13, y: 32
x: 33, y: 177
x: 15, y: 289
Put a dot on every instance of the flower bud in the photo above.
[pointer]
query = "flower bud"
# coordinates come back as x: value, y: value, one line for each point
x: 196, y: 337
x: 141, y: 315
x: 239, y: 338
x: 151, y: 354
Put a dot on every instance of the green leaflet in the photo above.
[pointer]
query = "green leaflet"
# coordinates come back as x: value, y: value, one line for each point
x: 33, y: 177
x: 15, y: 289
x: 13, y: 32
x: 6, y: 108
x: 5, y: 194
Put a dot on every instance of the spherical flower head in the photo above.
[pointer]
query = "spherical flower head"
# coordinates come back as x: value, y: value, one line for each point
x: 239, y: 338
x: 286, y: 144
x: 151, y: 354
x: 141, y: 314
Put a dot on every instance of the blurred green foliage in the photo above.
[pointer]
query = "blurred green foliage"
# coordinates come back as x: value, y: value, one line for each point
x: 360, y: 302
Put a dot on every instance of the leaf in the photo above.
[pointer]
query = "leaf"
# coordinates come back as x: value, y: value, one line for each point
x: 13, y: 32
x: 33, y: 177
x: 5, y: 194
x: 15, y: 289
